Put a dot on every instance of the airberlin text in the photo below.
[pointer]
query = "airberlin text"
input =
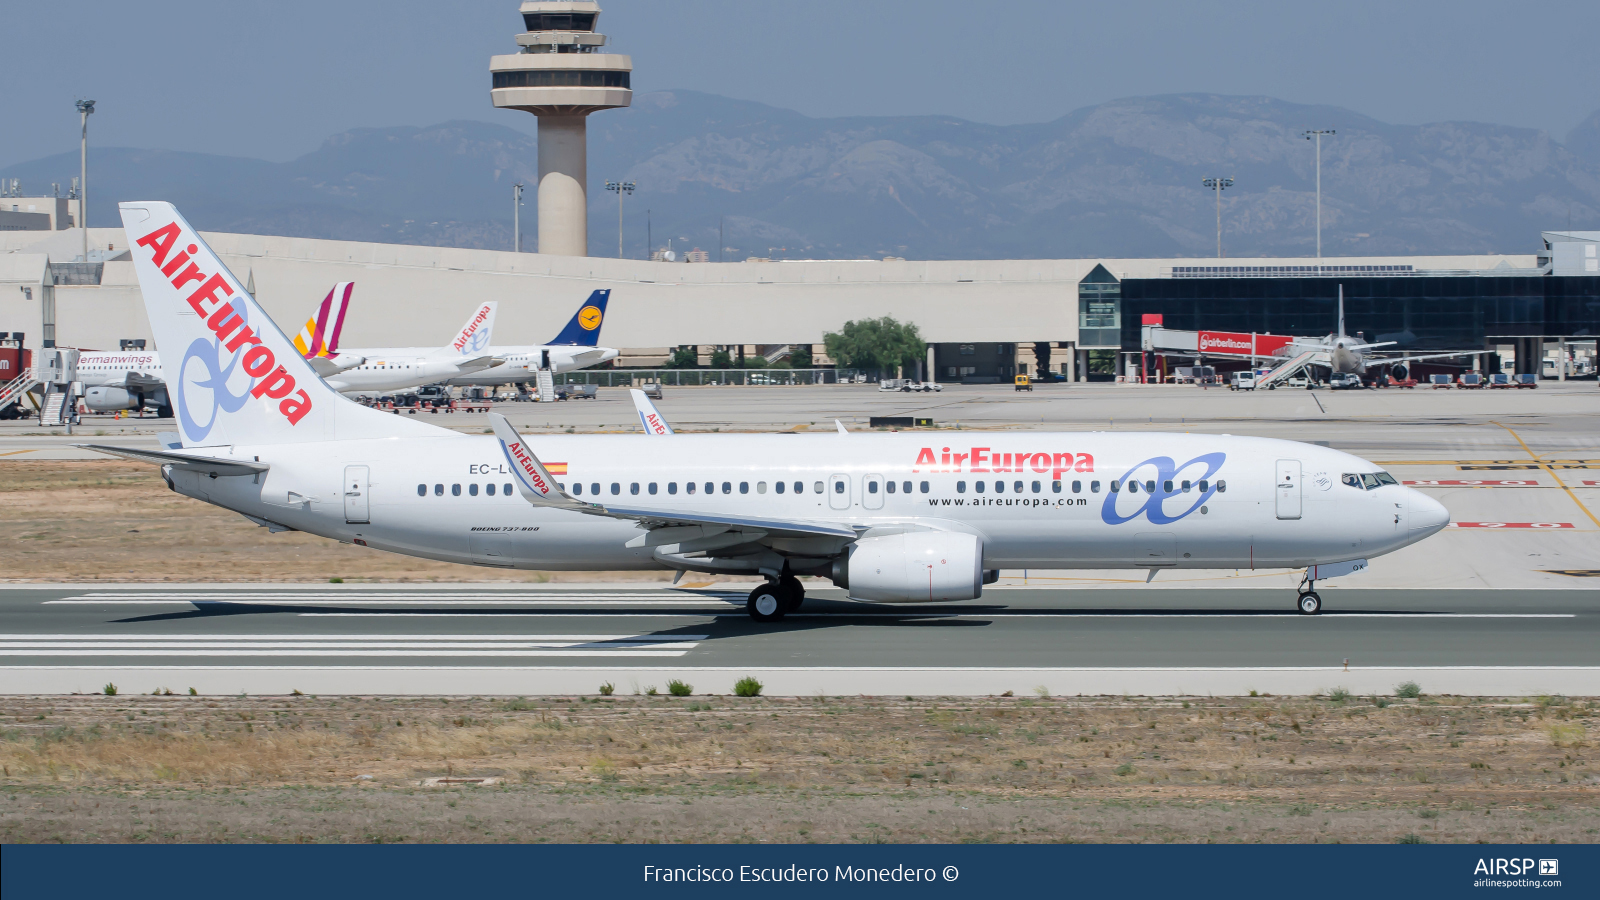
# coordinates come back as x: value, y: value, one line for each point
x: 984, y: 459
x: 271, y: 380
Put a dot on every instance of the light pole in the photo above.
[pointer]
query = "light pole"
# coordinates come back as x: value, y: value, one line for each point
x: 1219, y: 185
x: 1317, y: 136
x: 85, y: 107
x: 516, y: 217
x: 619, y: 188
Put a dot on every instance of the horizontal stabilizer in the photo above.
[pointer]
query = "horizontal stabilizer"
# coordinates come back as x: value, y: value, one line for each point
x: 203, y: 464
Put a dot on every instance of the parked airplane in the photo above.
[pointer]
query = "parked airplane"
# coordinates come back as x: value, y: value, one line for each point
x: 397, y: 368
x: 574, y: 348
x: 894, y: 518
x: 1344, y: 354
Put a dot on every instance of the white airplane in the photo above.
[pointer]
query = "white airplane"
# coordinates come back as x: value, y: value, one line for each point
x: 396, y: 368
x: 892, y: 518
x: 127, y: 379
x: 1343, y: 354
x: 574, y: 348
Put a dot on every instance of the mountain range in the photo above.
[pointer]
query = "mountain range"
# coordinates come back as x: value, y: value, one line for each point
x: 1121, y: 179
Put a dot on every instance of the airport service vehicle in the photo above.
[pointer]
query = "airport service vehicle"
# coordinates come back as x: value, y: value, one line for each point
x: 1345, y: 381
x: 1242, y: 381
x: 904, y: 385
x: 1022, y: 383
x: 890, y: 517
x: 575, y: 347
x: 1525, y: 381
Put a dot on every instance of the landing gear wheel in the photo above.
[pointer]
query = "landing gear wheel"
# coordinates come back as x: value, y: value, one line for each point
x: 793, y: 592
x: 766, y: 603
x: 1310, y: 604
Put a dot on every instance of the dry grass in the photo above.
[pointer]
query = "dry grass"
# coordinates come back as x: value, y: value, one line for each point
x: 819, y: 769
x: 94, y: 520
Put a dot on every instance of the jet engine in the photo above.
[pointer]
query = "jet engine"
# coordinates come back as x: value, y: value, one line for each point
x: 914, y: 567
x: 101, y: 398
x: 1399, y: 372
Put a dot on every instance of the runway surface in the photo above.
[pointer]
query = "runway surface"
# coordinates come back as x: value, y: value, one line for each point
x: 470, y: 639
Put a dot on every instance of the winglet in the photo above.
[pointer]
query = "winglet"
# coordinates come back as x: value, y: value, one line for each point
x: 533, y: 480
x: 840, y: 425
x: 648, y: 416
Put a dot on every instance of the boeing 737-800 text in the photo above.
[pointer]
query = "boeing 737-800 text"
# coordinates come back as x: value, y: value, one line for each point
x: 908, y: 517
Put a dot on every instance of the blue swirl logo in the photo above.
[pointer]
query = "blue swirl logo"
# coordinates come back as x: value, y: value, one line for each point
x: 211, y: 390
x: 1164, y: 471
x: 476, y: 342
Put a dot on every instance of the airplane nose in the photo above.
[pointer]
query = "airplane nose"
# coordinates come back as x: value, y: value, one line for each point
x: 1428, y: 516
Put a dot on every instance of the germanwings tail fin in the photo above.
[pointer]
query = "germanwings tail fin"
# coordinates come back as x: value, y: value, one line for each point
x: 473, y: 338
x: 583, y: 330
x: 320, y: 336
x: 233, y: 377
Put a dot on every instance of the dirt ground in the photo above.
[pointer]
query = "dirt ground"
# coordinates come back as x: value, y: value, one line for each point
x: 115, y: 521
x: 823, y: 769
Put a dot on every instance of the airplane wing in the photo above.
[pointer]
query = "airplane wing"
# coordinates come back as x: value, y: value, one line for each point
x: 479, y: 362
x: 648, y: 416
x: 203, y: 464
x: 1391, y: 360
x: 326, y: 365
x: 538, y: 488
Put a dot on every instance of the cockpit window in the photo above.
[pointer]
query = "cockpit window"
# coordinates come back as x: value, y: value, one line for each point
x: 1369, y: 481
x: 1386, y: 478
x: 1351, y: 479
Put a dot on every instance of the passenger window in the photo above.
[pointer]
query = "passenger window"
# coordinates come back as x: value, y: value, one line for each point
x: 924, y: 487
x: 633, y: 489
x: 422, y: 490
x: 888, y: 486
x: 472, y: 489
x: 594, y: 488
x: 1133, y: 487
x: 1222, y: 486
x: 1094, y: 487
x: 761, y: 487
x: 1017, y: 488
x: 455, y: 490
x: 1077, y: 487
x: 505, y: 489
x: 727, y: 487
x: 778, y: 485
x: 1351, y: 479
x: 489, y: 489
x: 978, y: 486
x: 1186, y: 486
x: 906, y: 487
x: 688, y: 487
x: 672, y: 487
x: 838, y: 487
x: 1114, y: 487
x: 711, y: 488
x: 872, y: 487
x: 577, y: 489
x: 1036, y: 487
x: 817, y: 487
x: 961, y: 487
x: 438, y: 490
x: 616, y: 488
x: 1204, y: 486
x: 1150, y: 487
x: 1055, y: 487
x: 652, y: 488
x: 744, y: 487
x: 1166, y: 487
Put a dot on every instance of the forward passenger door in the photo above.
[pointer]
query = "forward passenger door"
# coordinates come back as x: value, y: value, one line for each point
x: 872, y: 491
x: 839, y: 491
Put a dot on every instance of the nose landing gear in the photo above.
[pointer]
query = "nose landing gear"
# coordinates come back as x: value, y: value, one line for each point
x: 1309, y: 602
x: 771, y: 601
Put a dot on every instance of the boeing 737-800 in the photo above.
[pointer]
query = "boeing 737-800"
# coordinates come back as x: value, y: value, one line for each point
x: 893, y: 518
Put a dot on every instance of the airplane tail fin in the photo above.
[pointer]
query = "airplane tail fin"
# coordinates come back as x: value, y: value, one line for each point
x: 1341, y: 310
x: 583, y: 330
x: 474, y: 336
x: 233, y: 376
x: 320, y: 336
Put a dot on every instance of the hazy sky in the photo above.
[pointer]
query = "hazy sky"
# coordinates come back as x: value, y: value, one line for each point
x: 272, y: 80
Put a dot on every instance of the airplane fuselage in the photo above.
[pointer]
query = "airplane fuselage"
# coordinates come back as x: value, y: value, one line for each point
x: 1036, y: 500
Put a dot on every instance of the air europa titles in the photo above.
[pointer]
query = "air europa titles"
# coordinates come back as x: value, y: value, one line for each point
x: 984, y: 459
x: 471, y: 329
x: 271, y: 380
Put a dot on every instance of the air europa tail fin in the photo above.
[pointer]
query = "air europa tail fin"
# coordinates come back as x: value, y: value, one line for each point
x: 473, y: 338
x: 320, y: 337
x: 233, y: 376
x: 584, y: 328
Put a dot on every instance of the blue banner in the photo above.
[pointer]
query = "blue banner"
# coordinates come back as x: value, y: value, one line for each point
x: 244, y: 872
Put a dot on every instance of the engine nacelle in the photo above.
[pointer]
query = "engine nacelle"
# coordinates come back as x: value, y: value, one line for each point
x: 1399, y: 372
x: 915, y: 567
x: 102, y: 398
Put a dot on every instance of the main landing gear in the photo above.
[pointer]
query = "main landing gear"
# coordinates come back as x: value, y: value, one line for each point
x: 771, y: 601
x: 1309, y: 602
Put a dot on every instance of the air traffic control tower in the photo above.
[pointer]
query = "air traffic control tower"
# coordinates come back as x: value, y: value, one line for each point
x: 560, y: 77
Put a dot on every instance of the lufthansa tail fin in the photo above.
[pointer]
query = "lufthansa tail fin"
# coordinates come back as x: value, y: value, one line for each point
x: 320, y: 336
x: 233, y: 376
x: 473, y: 338
x: 584, y: 328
